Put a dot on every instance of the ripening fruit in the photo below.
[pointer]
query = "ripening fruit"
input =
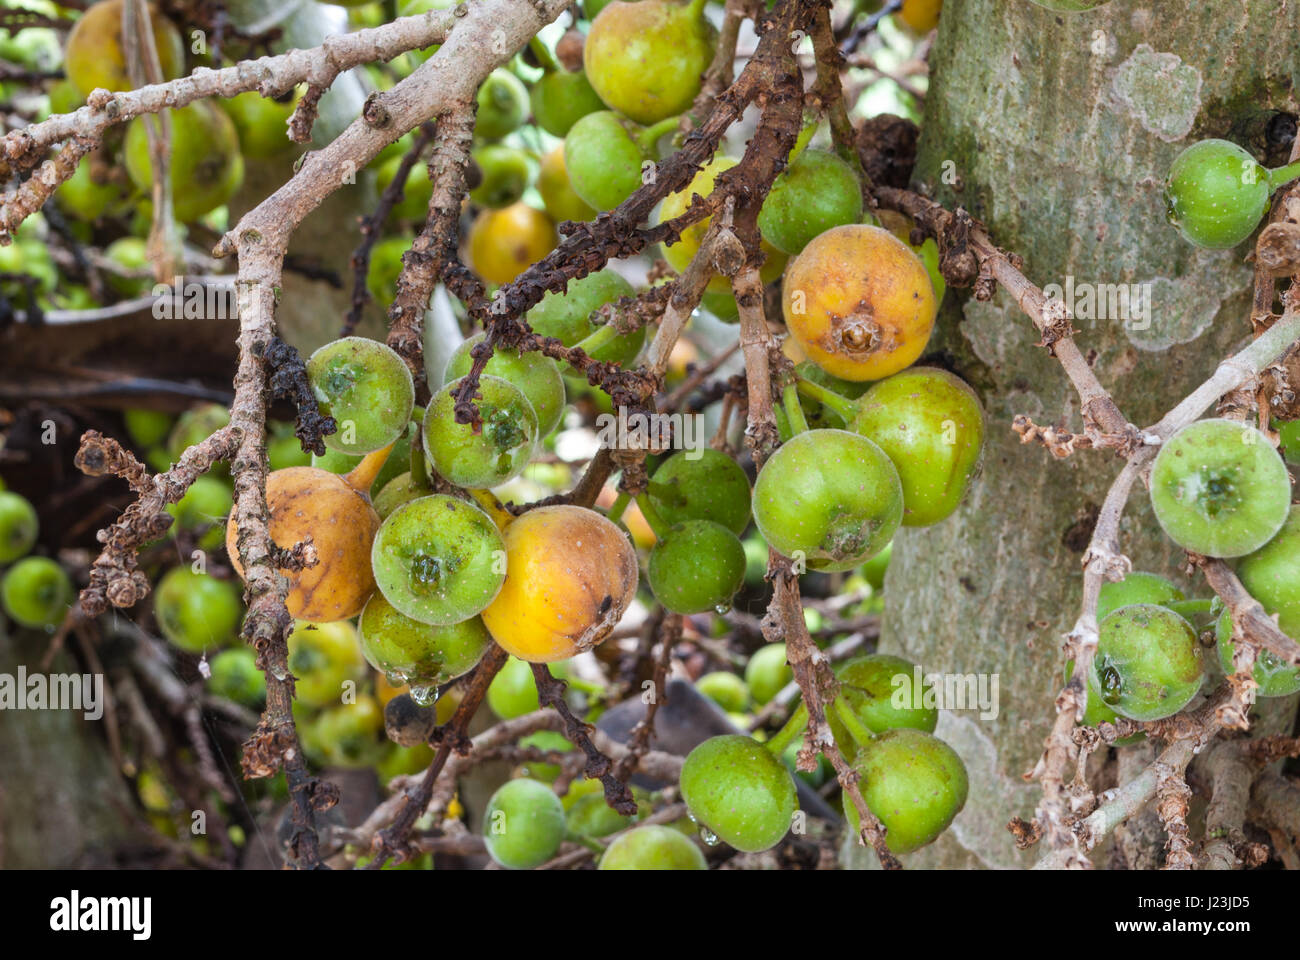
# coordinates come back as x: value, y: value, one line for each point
x: 408, y: 651
x: 537, y: 376
x: 367, y: 388
x: 567, y: 316
x: 502, y: 105
x: 1137, y: 587
x: 1219, y: 488
x: 503, y: 445
x: 710, y: 486
x: 921, y: 16
x: 18, y: 526
x: 737, y: 789
x: 1216, y: 194
x: 197, y: 612
x: 523, y: 824
x: 95, y: 54
x: 323, y: 658
x: 506, y: 174
x: 698, y: 566
x: 829, y: 497
x: 931, y: 426
x: 913, y: 782
x: 236, y: 677
x: 859, y: 302
x: 605, y: 155
x: 816, y: 192
x: 558, y: 196
x: 504, y: 243
x: 351, y: 734
x: 438, y: 560
x: 36, y: 592
x: 561, y: 98
x: 1276, y: 677
x: 652, y: 847
x: 206, y: 165
x: 900, y: 225
x: 570, y: 576
x: 646, y: 59
x: 680, y: 254
x: 1148, y: 662
x: 306, y: 501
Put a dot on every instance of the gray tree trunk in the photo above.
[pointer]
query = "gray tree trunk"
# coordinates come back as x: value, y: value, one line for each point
x: 1061, y: 128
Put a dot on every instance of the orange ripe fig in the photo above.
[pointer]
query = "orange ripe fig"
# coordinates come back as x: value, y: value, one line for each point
x: 570, y: 576
x: 308, y: 501
x: 859, y: 302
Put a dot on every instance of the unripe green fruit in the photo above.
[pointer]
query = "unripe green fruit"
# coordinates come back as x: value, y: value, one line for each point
x: 147, y: 428
x: 1137, y: 587
x: 767, y: 673
x: 401, y: 489
x: 1148, y: 662
x: 416, y: 192
x: 500, y: 451
x: 931, y: 426
x: 506, y: 174
x: 206, y: 504
x: 871, y: 683
x: 385, y: 267
x: 368, y: 390
x: 206, y: 165
x: 194, y: 426
x: 235, y: 676
x: 535, y: 374
x: 1276, y: 678
x: 592, y: 817
x: 423, y: 655
x: 513, y: 691
x: 567, y: 316
x: 262, y: 122
x: 604, y: 158
x: 646, y: 59
x: 560, y: 99
x: 36, y: 592
x: 873, y: 571
x: 698, y: 565
x: 523, y: 825
x: 19, y: 526
x: 502, y: 105
x: 1272, y: 574
x: 1220, y: 489
x: 727, y: 690
x: 830, y: 497
x: 742, y: 793
x: 1216, y: 194
x: 438, y: 560
x: 653, y: 847
x: 913, y: 782
x: 197, y: 612
x: 816, y: 192
x: 710, y: 486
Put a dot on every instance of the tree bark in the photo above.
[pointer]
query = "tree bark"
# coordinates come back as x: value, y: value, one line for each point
x: 1059, y: 129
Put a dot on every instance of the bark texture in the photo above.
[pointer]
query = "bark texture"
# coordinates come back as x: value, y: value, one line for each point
x: 1056, y: 130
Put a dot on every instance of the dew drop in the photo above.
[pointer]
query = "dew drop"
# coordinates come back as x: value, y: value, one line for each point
x: 396, y: 679
x: 722, y: 609
x: 708, y: 837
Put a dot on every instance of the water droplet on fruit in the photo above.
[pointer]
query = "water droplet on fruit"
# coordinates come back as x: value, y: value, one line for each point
x: 424, y: 695
x: 708, y: 837
x: 396, y: 679
x: 722, y: 609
